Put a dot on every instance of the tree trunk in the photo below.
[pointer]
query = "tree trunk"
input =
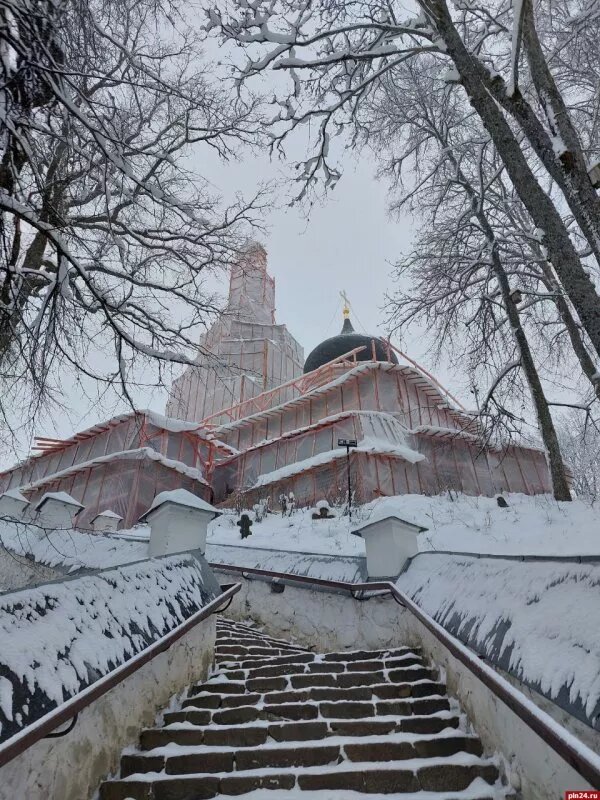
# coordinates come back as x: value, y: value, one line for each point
x: 568, y: 168
x: 11, y: 322
x: 586, y: 363
x: 560, y: 484
x: 561, y: 252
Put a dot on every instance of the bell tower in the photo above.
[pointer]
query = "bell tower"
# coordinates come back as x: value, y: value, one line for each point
x: 244, y: 353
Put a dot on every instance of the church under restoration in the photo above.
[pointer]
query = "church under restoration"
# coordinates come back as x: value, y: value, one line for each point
x: 253, y: 420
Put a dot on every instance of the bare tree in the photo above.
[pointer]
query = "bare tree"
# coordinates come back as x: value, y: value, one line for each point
x: 337, y: 54
x: 579, y: 437
x: 459, y: 267
x: 108, y: 235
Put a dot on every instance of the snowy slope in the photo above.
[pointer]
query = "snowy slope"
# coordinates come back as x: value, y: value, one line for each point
x: 59, y: 637
x: 531, y: 525
x: 72, y: 549
x: 327, y: 567
x: 537, y: 620
x: 297, y: 533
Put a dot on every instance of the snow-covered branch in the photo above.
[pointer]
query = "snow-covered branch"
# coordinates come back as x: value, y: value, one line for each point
x: 107, y: 236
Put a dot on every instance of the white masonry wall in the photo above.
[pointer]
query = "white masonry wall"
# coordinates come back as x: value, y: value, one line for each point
x: 328, y: 621
x: 72, y: 767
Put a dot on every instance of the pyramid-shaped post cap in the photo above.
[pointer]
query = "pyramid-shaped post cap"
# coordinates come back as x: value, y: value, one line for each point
x: 13, y: 504
x: 389, y: 542
x: 106, y: 521
x: 57, y: 497
x: 57, y: 510
x: 178, y: 522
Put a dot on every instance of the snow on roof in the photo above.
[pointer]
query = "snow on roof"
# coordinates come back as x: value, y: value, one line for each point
x: 366, y: 366
x: 324, y: 422
x: 360, y: 529
x: 15, y: 494
x: 367, y: 445
x: 60, y: 497
x: 166, y: 423
x: 181, y: 497
x: 441, y: 432
x: 108, y: 513
x: 140, y: 452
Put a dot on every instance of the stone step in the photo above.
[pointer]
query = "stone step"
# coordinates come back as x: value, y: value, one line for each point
x: 453, y: 774
x: 346, y: 656
x: 226, y: 651
x: 384, y: 691
x: 253, y: 735
x: 339, y: 679
x: 302, y: 667
x: 219, y: 686
x: 225, y: 657
x: 308, y: 711
x: 193, y: 759
x: 276, y: 716
x: 244, y: 640
x: 243, y: 637
x: 366, y: 655
x: 305, y: 680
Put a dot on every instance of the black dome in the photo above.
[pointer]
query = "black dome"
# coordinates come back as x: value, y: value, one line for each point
x: 347, y: 340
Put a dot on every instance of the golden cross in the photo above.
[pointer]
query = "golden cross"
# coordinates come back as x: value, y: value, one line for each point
x: 346, y: 309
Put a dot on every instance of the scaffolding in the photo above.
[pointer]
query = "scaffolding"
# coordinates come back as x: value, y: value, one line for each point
x: 121, y: 465
x: 411, y: 439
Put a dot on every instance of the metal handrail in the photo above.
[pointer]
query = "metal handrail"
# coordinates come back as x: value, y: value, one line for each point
x: 580, y: 757
x: 21, y: 741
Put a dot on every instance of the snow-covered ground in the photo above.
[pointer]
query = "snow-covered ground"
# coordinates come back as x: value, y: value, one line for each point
x: 62, y: 636
x: 539, y: 620
x: 71, y: 549
x: 296, y: 533
x: 529, y: 526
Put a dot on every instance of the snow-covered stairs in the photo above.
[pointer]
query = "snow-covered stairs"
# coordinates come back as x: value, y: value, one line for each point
x: 276, y: 719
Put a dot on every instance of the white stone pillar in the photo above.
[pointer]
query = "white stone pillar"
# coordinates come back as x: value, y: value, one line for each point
x: 14, y: 505
x: 178, y: 522
x: 389, y: 543
x: 56, y: 510
x: 106, y: 521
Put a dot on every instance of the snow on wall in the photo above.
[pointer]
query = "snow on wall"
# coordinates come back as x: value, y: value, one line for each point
x: 537, y: 620
x: 72, y: 549
x: 62, y: 769
x: 332, y: 567
x: 58, y: 638
x: 17, y: 571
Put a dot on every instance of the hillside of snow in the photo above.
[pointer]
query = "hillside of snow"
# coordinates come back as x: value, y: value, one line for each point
x: 529, y: 526
x: 538, y: 620
x: 58, y: 638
